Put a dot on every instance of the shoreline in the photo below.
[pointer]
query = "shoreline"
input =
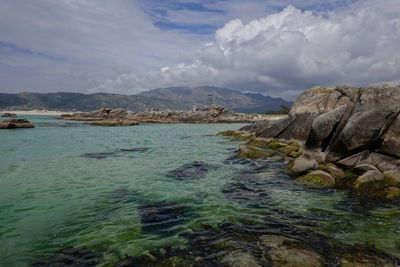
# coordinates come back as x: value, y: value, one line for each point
x: 37, y: 112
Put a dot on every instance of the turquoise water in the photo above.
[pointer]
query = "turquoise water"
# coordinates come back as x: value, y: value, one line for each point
x: 52, y: 197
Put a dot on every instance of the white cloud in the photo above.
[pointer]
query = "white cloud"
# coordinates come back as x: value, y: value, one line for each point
x: 284, y: 53
x: 98, y: 40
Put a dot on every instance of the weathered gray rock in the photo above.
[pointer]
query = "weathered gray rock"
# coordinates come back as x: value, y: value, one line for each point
x: 332, y: 169
x: 239, y: 259
x: 370, y: 179
x: 15, y: 124
x: 307, y: 161
x: 289, y: 252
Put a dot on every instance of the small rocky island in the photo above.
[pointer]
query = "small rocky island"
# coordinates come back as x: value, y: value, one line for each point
x: 121, y: 117
x: 336, y: 137
x: 15, y: 124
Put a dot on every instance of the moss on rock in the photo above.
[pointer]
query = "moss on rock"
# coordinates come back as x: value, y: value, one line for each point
x: 317, y: 179
x: 238, y: 135
x: 253, y: 152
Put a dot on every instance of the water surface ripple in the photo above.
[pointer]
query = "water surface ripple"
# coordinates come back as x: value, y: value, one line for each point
x: 126, y: 190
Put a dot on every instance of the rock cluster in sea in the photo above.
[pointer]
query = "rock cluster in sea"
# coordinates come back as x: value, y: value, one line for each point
x: 336, y: 137
x: 102, y: 117
x: 15, y: 123
x: 9, y: 115
x: 208, y: 114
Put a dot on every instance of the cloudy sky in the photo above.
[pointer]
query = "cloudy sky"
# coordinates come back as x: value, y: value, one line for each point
x: 276, y: 47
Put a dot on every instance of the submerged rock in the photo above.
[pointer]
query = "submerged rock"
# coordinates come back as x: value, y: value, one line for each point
x: 15, y: 124
x: 251, y: 194
x: 286, y: 251
x: 192, y: 171
x: 135, y: 149
x: 98, y: 155
x: 161, y: 215
x: 70, y: 257
x: 113, y: 123
x: 277, y: 242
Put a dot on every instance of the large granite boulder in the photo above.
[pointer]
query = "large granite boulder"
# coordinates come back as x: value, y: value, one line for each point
x: 342, y: 121
x: 16, y: 123
x: 357, y: 129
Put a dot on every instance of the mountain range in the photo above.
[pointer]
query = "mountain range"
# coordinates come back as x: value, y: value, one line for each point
x: 178, y: 98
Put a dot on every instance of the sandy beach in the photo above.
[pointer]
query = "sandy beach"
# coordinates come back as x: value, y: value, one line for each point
x: 35, y: 112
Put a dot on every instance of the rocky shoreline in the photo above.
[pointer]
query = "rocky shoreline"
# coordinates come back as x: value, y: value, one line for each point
x: 121, y: 117
x: 336, y: 137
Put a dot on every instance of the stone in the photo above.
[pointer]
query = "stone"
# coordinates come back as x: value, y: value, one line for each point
x: 161, y: 215
x: 307, y: 161
x: 16, y: 124
x: 135, y: 149
x: 71, y: 257
x: 237, y: 135
x: 113, y: 123
x: 393, y: 193
x: 9, y: 115
x: 317, y: 179
x: 370, y: 179
x: 98, y: 155
x: 252, y: 152
x: 209, y: 114
x: 289, y: 252
x: 332, y: 169
x: 289, y: 149
x: 192, y: 171
x: 323, y: 126
x: 363, y: 168
x: 392, y: 178
x: 239, y: 259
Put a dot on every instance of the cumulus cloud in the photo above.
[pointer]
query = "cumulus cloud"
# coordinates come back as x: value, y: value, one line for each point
x: 284, y: 53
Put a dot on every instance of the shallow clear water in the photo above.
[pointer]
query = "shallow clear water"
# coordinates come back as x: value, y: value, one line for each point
x: 52, y: 197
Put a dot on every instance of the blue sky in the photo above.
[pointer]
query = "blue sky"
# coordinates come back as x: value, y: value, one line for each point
x: 127, y: 46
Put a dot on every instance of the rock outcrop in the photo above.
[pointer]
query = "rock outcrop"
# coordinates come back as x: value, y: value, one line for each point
x: 213, y: 114
x: 96, y: 115
x: 351, y: 134
x: 9, y: 115
x: 102, y: 117
x: 15, y: 124
x: 210, y: 114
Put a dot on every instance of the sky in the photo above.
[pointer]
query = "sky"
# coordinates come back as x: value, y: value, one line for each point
x: 275, y: 47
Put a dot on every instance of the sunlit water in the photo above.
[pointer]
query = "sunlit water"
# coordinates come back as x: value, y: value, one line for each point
x: 52, y: 197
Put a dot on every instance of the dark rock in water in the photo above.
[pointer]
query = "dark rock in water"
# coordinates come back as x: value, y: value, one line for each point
x: 99, y: 155
x: 16, y: 123
x: 248, y: 194
x: 71, y: 257
x: 192, y: 171
x: 236, y: 160
x: 161, y: 215
x: 124, y: 195
x: 9, y: 115
x: 135, y: 149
